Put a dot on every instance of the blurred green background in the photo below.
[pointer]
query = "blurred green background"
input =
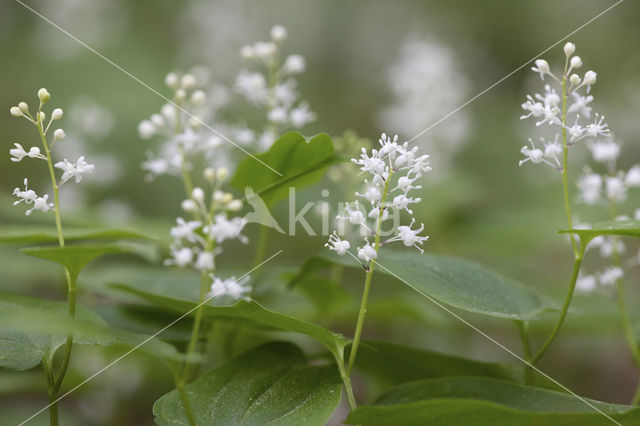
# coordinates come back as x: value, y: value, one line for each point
x: 477, y: 203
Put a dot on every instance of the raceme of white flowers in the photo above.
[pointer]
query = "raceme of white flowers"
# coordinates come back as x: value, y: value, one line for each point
x: 273, y: 88
x: 197, y: 243
x: 394, y: 169
x: 76, y: 170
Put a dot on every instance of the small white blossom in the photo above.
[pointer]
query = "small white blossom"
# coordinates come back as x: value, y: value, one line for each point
x: 605, y: 151
x: 180, y: 256
x: 580, y: 105
x: 409, y: 236
x: 337, y: 244
x: 367, y: 252
x: 542, y: 68
x: 77, y: 170
x: 632, y: 178
x: 278, y: 33
x: 586, y: 284
x: 223, y: 229
x: 18, y: 153
x: 185, y: 230
x: 597, y: 127
x: 615, y: 188
x: 294, y: 64
x: 229, y: 287
x: 205, y: 261
x: 610, y: 276
x: 590, y: 186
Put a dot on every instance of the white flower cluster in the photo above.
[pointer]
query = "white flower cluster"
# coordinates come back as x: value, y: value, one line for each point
x: 547, y: 108
x: 196, y: 243
x: 610, y: 186
x: 273, y: 89
x: 77, y: 170
x: 392, y: 161
x: 184, y: 135
x: 426, y: 80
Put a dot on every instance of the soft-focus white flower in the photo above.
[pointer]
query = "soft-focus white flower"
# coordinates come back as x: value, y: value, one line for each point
x: 278, y: 33
x: 252, y: 86
x: 590, y: 186
x: 367, y: 252
x: 586, y: 283
x: 77, y: 170
x: 185, y: 230
x: 223, y: 228
x: 180, y: 256
x: 229, y: 287
x: 542, y: 68
x: 632, y: 177
x: 205, y: 261
x: 409, y: 236
x: 294, y: 64
x: 18, y: 153
x: 611, y: 275
x: 615, y: 188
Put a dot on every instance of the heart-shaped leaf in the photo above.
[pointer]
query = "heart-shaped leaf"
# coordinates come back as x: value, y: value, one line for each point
x: 272, y: 384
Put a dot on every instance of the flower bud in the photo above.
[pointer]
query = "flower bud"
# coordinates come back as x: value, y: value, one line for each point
x: 198, y: 97
x: 198, y: 194
x: 171, y: 80
x: 246, y: 52
x: 218, y: 196
x: 589, y: 78
x: 234, y: 205
x: 227, y: 197
x: 56, y: 114
x: 189, y: 206
x: 188, y: 81
x: 576, y: 62
x: 44, y: 95
x: 23, y: 107
x: 181, y: 94
x: 41, y: 116
x: 146, y: 129
x: 157, y: 120
x: 278, y: 33
x: 575, y: 79
x: 543, y: 66
x: 209, y: 174
x: 569, y: 48
x: 15, y: 111
x: 222, y: 173
x: 59, y: 134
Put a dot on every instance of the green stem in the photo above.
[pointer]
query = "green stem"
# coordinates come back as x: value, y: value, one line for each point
x: 347, y: 385
x: 261, y: 246
x: 195, y: 331
x: 526, y: 351
x: 182, y: 391
x: 53, y: 405
x: 71, y: 282
x: 368, y: 277
x: 565, y: 309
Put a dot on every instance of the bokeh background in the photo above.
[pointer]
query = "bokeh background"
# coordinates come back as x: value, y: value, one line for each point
x: 372, y: 66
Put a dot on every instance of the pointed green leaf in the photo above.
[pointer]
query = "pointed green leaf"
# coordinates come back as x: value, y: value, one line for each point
x: 33, y: 234
x: 74, y: 258
x: 248, y: 313
x: 272, y: 384
x: 626, y: 228
x: 455, y: 282
x: 480, y: 401
x: 301, y: 162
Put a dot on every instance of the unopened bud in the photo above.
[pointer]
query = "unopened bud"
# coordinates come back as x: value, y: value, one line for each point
x: 23, y: 107
x: 278, y: 33
x: 44, y: 95
x: 171, y: 80
x: 589, y: 78
x: 59, y: 134
x: 569, y: 48
x: 234, y: 205
x: 188, y: 81
x: 576, y: 62
x: 189, y: 206
x: 575, y: 79
x: 198, y: 97
x: 198, y: 194
x: 56, y: 114
x: 209, y: 174
x: 15, y: 111
x: 222, y: 173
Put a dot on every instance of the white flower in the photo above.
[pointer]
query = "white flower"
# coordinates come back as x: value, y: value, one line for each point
x: 536, y: 109
x: 59, y: 134
x: 354, y: 216
x: 605, y: 152
x: 205, y: 261
x: 367, y: 252
x: 590, y: 186
x: 586, y: 283
x: 632, y: 178
x: 405, y: 184
x: 597, y: 127
x: 580, y: 104
x: 278, y: 33
x: 542, y: 68
x: 28, y: 196
x: 301, y: 115
x: 553, y: 150
x: 576, y: 132
x: 569, y: 49
x: 181, y: 257
x: 265, y: 50
x: 185, y: 230
x: 409, y: 236
x: 615, y: 188
x: 77, y: 170
x: 536, y: 155
x: 229, y: 287
x: 223, y: 229
x: 589, y: 79
x: 372, y: 194
x: 44, y: 95
x: 337, y: 244
x: 401, y: 202
x: 575, y: 63
x: 253, y: 86
x: 294, y: 64
x: 611, y: 275
x: 277, y: 115
x: 18, y: 153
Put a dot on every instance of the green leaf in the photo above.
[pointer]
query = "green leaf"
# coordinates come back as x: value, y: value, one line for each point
x: 248, y: 313
x: 32, y: 234
x: 301, y: 162
x: 481, y: 401
x: 74, y: 258
x: 31, y: 328
x: 455, y: 282
x: 627, y: 228
x: 272, y: 384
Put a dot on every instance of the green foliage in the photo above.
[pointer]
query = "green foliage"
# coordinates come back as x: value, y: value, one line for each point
x: 74, y: 258
x: 35, y: 234
x: 482, y: 401
x: 627, y: 228
x: 272, y: 384
x: 301, y: 162
x: 455, y: 282
x: 31, y: 328
x: 249, y: 313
